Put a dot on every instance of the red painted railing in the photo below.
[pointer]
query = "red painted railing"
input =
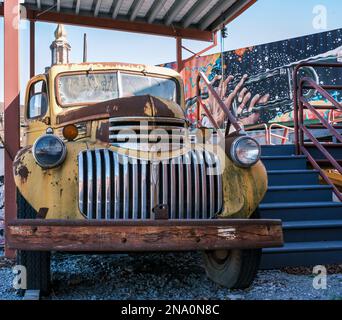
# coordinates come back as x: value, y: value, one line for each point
x: 302, y: 130
x: 200, y: 104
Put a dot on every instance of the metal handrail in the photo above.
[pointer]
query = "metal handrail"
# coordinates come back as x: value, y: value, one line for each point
x: 296, y: 91
x: 285, y: 137
x: 263, y: 126
x: 332, y: 118
x: 268, y: 132
x: 231, y: 118
x: 301, y: 130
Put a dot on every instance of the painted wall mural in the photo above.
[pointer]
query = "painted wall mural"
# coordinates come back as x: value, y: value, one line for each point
x: 257, y: 81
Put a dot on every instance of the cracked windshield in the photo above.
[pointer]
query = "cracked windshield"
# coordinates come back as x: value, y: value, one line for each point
x: 81, y: 89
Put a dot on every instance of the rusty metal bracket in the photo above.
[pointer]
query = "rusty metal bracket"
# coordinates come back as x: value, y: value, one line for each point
x: 161, y: 212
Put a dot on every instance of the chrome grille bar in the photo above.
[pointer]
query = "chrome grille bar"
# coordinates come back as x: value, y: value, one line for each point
x: 187, y: 160
x: 98, y: 185
x: 180, y: 189
x: 90, y: 186
x: 116, y: 187
x: 196, y: 184
x: 219, y: 191
x: 165, y: 181
x: 132, y: 132
x: 113, y: 186
x: 81, y: 180
x: 154, y: 186
x: 125, y: 186
x: 210, y: 174
x: 135, y: 196
x: 143, y: 191
x: 203, y: 175
x: 173, y: 189
x: 107, y: 184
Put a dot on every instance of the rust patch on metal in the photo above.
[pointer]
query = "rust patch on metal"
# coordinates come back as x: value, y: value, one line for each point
x: 22, y: 172
x: 135, y: 106
x: 42, y: 213
x: 19, y: 168
x: 19, y: 156
x: 167, y: 109
x: 102, y: 131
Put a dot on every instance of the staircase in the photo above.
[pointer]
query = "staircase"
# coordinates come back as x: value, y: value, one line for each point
x: 312, y: 220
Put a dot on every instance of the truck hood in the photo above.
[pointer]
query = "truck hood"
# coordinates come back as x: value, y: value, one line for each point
x: 135, y: 106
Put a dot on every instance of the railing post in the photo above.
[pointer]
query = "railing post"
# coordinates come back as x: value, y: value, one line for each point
x: 284, y: 139
x: 11, y: 108
x: 295, y: 109
x: 32, y: 48
x: 231, y: 118
x: 179, y: 54
x: 198, y: 103
x: 303, y: 102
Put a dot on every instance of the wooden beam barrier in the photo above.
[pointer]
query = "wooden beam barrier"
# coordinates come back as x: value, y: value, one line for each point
x: 160, y: 235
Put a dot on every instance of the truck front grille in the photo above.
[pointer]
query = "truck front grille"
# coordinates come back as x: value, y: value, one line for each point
x: 142, y: 133
x: 114, y: 187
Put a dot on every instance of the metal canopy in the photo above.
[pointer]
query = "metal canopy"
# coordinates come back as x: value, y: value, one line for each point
x: 192, y: 19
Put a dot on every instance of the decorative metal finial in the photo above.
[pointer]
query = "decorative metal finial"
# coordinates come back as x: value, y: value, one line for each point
x: 60, y: 47
x: 60, y: 33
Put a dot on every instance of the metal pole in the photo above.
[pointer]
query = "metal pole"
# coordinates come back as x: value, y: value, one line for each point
x: 85, y: 48
x: 11, y: 108
x: 32, y: 48
x: 179, y: 54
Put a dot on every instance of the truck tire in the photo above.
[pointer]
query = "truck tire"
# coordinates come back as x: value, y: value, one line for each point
x: 37, y: 263
x: 234, y: 269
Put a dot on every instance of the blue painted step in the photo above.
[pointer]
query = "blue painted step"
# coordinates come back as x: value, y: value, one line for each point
x: 278, y: 150
x: 284, y: 162
x: 312, y: 231
x: 292, y: 177
x: 334, y: 149
x: 301, y: 211
x: 295, y: 254
x: 312, y: 222
x: 298, y: 193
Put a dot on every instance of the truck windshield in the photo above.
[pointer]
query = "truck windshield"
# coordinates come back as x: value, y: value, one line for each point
x: 87, y: 88
x: 137, y: 85
x: 91, y: 88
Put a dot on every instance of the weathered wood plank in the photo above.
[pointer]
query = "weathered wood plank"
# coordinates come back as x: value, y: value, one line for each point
x: 144, y: 235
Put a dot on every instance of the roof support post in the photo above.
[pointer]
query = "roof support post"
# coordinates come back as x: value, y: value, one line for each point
x: 32, y: 48
x: 11, y: 108
x: 179, y: 54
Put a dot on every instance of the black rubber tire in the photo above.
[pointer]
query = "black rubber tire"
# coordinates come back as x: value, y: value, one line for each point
x: 37, y: 263
x: 237, y: 270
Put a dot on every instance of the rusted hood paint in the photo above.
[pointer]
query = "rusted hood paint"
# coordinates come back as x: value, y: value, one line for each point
x: 135, y: 106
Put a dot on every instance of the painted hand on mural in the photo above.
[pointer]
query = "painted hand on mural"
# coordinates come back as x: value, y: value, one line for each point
x: 246, y: 102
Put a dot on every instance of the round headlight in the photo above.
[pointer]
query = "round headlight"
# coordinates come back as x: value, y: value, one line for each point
x: 245, y: 151
x: 49, y: 151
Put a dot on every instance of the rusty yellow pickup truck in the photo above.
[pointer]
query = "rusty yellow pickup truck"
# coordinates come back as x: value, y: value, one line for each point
x: 110, y: 163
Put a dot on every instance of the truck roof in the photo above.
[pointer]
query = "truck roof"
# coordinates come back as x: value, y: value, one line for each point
x: 94, y: 66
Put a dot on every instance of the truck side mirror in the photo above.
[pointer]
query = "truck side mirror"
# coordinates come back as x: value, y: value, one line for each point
x: 38, y: 105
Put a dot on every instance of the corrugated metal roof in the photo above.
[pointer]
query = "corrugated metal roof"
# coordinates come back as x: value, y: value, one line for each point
x: 203, y: 15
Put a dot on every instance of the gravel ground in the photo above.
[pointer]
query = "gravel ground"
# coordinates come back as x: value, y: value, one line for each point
x: 163, y: 276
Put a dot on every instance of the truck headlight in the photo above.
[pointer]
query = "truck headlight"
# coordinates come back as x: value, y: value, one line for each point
x: 245, y: 151
x: 49, y: 151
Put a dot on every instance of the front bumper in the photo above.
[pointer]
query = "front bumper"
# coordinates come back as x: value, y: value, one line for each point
x: 130, y: 236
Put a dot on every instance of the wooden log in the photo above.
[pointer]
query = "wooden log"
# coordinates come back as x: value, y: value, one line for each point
x: 125, y: 236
